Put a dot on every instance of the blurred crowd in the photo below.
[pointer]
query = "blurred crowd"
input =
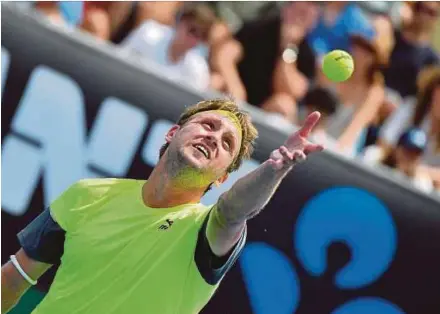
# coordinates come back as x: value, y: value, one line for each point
x: 269, y: 54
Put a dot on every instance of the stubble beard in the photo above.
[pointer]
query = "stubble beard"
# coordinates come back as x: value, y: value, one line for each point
x: 179, y: 169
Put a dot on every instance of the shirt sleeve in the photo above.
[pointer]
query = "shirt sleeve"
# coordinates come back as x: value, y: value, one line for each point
x: 43, y: 239
x: 211, y: 267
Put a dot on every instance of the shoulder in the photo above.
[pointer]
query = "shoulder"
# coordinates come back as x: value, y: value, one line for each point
x: 87, y: 190
x: 101, y: 185
x: 153, y: 31
x: 104, y: 182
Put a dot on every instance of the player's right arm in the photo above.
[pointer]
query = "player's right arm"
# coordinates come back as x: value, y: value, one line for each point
x: 225, y: 57
x: 42, y: 243
x: 14, y: 285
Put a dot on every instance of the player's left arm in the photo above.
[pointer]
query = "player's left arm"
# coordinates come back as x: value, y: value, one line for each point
x: 250, y: 194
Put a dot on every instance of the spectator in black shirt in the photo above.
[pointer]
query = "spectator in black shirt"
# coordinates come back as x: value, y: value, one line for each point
x: 269, y: 63
x: 412, y: 50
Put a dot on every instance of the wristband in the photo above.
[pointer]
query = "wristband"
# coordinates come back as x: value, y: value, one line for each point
x: 21, y: 271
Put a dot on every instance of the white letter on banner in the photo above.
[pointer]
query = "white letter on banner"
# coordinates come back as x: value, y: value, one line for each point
x: 116, y: 135
x: 5, y: 67
x: 155, y: 140
x: 52, y: 113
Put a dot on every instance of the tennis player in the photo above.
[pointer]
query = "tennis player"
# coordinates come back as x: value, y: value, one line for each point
x: 149, y: 246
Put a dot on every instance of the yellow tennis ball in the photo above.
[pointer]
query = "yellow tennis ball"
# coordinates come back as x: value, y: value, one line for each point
x: 338, y: 65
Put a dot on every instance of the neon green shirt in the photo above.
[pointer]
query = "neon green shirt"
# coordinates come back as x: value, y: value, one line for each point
x: 123, y: 257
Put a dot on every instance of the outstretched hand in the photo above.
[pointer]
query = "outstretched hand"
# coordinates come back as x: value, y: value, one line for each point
x: 297, y: 147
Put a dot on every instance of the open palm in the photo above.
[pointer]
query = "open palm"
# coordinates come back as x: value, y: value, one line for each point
x: 297, y: 146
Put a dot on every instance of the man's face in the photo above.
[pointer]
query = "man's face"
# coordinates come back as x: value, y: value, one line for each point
x: 208, y: 143
x: 407, y: 158
x: 426, y: 14
x: 190, y: 34
x: 303, y: 13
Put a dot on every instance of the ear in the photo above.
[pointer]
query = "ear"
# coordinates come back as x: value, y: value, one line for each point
x: 221, y: 180
x: 171, y: 132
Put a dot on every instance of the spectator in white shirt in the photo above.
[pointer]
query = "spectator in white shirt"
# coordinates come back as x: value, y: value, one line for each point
x: 177, y: 49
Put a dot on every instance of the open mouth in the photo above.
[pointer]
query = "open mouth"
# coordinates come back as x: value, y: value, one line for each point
x: 203, y: 150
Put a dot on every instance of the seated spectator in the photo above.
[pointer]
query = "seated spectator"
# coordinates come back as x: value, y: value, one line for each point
x: 99, y: 18
x: 337, y: 21
x: 406, y: 157
x: 425, y: 114
x: 362, y: 95
x: 269, y: 63
x: 325, y: 101
x: 176, y: 49
x: 412, y: 51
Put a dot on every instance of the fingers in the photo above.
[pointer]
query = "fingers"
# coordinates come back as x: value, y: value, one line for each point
x: 295, y: 156
x: 283, y: 157
x: 311, y: 148
x: 276, y: 155
x: 285, y: 153
x: 309, y: 123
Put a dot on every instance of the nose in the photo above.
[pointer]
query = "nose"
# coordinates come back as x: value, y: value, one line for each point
x: 211, y: 141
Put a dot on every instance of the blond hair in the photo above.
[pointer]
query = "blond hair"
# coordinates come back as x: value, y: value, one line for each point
x: 248, y: 131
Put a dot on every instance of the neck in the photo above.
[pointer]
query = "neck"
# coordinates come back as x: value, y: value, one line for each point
x: 166, y: 188
x: 416, y: 36
x: 176, y: 51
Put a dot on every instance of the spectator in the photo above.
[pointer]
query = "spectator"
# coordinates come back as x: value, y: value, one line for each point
x: 406, y: 157
x: 325, y: 101
x: 259, y: 65
x: 100, y: 18
x: 412, y: 51
x: 68, y: 13
x: 425, y: 114
x: 96, y: 19
x: 362, y: 95
x: 399, y: 12
x: 176, y: 49
x: 338, y: 20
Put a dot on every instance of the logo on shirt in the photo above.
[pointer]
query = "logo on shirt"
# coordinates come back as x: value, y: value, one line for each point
x: 168, y: 224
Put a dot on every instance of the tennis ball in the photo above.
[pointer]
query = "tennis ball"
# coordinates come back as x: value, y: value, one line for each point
x: 338, y: 65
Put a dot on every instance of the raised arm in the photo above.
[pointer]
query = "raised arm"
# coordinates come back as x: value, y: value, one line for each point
x: 250, y: 194
x: 224, y: 60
